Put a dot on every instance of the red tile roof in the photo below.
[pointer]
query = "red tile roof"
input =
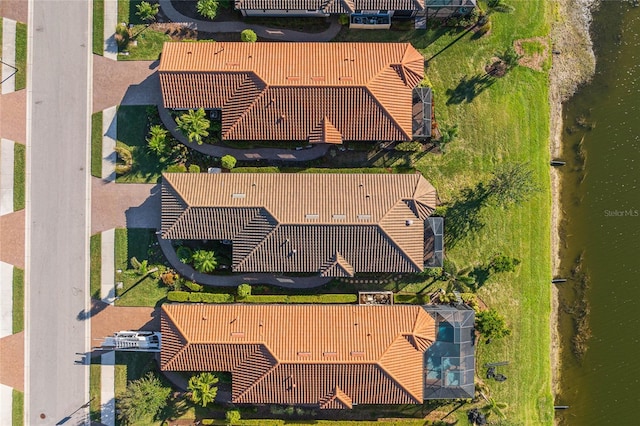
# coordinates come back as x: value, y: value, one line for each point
x: 331, y: 356
x: 316, y: 92
x: 332, y: 224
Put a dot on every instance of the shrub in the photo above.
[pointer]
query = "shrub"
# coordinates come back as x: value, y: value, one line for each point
x: 195, y: 297
x: 178, y: 296
x: 216, y: 297
x: 248, y: 36
x: 202, y: 388
x: 184, y: 254
x: 502, y: 263
x: 244, y: 290
x: 157, y: 140
x: 208, y: 8
x: 169, y: 277
x: 194, y: 124
x: 228, y: 162
x: 343, y: 19
x: 194, y: 168
x: 122, y: 35
x: 425, y: 82
x: 193, y: 286
x: 147, y: 11
x: 409, y: 146
x: 232, y: 416
x: 124, y: 155
x: 143, y: 398
x: 177, y: 168
x: 204, y: 261
x: 491, y: 324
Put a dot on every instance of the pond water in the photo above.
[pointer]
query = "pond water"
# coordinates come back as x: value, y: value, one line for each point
x: 601, y: 231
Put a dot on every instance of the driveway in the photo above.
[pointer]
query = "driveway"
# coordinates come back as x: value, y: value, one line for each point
x: 12, y: 238
x: 124, y: 205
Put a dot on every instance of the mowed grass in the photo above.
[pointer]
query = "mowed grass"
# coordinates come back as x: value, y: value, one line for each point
x: 18, y: 300
x: 17, y: 408
x: 95, y: 249
x: 94, y: 392
x: 131, y: 134
x: 149, y: 44
x: 136, y: 290
x: 98, y: 27
x: 96, y: 144
x: 21, y: 55
x: 506, y: 122
x: 19, y: 179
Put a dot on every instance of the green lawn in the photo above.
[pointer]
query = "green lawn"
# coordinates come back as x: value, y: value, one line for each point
x: 149, y: 44
x: 19, y: 179
x: 98, y: 27
x: 96, y: 265
x: 21, y: 55
x: 137, y: 290
x: 94, y: 392
x: 17, y: 411
x: 131, y: 366
x: 96, y: 144
x: 273, y: 169
x: 131, y: 134
x: 18, y: 300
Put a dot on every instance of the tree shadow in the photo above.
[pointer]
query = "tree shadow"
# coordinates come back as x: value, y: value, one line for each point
x: 97, y: 306
x: 175, y: 408
x: 469, y: 88
x: 463, y: 216
x: 481, y: 274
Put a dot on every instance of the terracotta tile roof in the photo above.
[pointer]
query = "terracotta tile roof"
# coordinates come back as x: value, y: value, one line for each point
x: 331, y: 356
x: 320, y: 223
x: 330, y: 6
x: 318, y: 92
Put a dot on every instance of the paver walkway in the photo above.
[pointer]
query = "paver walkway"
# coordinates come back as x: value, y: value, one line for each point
x: 6, y: 300
x: 13, y: 113
x: 316, y: 151
x: 110, y: 21
x: 8, y: 55
x: 12, y: 238
x: 6, y: 176
x: 109, y: 135
x: 260, y: 30
x: 107, y: 276
x: 15, y: 9
x: 107, y: 389
x: 12, y: 361
x: 107, y: 319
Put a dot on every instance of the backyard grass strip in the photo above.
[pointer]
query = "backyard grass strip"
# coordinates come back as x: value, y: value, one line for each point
x: 21, y: 55
x: 94, y: 392
x: 96, y: 144
x: 18, y: 300
x: 149, y: 44
x: 131, y: 134
x: 17, y: 408
x: 19, y: 170
x: 95, y: 278
x: 98, y: 27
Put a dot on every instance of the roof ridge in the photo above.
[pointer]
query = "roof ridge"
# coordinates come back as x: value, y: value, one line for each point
x: 386, y: 112
x: 251, y: 105
x: 263, y: 375
x: 395, y: 243
x: 255, y: 248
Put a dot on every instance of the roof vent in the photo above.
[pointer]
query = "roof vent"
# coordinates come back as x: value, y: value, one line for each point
x: 312, y: 216
x: 330, y: 353
x: 237, y: 334
x: 304, y: 354
x: 368, y: 195
x: 238, y: 195
x: 346, y: 78
x: 293, y: 78
x: 293, y: 251
x: 409, y: 222
x: 339, y: 216
x: 357, y: 353
x: 364, y: 217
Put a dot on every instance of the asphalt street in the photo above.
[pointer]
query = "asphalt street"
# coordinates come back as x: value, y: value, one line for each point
x: 58, y: 213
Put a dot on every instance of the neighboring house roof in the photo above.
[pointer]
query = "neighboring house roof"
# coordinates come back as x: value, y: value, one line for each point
x: 330, y: 356
x: 316, y: 92
x: 347, y: 6
x: 332, y: 224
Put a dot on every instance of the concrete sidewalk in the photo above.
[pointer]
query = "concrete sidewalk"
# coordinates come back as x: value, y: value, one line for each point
x: 107, y: 389
x: 260, y: 30
x: 6, y: 300
x: 8, y: 56
x: 6, y: 176
x: 110, y: 49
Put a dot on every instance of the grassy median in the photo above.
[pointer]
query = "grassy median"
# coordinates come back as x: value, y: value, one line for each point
x: 96, y: 144
x: 98, y: 27
x: 19, y: 179
x: 21, y: 55
x: 18, y: 300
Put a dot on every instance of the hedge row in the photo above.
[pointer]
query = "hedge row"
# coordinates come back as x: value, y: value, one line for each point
x: 185, y: 296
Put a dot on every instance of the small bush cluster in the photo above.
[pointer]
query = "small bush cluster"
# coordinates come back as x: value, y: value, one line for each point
x: 185, y: 296
x: 248, y: 36
x: 409, y: 146
x: 125, y: 160
x: 193, y: 286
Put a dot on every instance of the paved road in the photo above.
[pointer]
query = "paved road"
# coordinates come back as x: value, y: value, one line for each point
x: 58, y: 214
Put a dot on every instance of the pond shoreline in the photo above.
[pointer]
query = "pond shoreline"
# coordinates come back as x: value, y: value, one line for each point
x: 573, y: 64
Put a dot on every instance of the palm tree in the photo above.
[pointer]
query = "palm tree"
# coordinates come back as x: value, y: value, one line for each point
x: 499, y: 6
x: 448, y: 134
x: 203, y: 389
x: 194, y: 125
x: 157, y: 140
x: 204, y: 261
x: 494, y: 407
x: 458, y: 279
x: 147, y: 11
x: 510, y: 57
